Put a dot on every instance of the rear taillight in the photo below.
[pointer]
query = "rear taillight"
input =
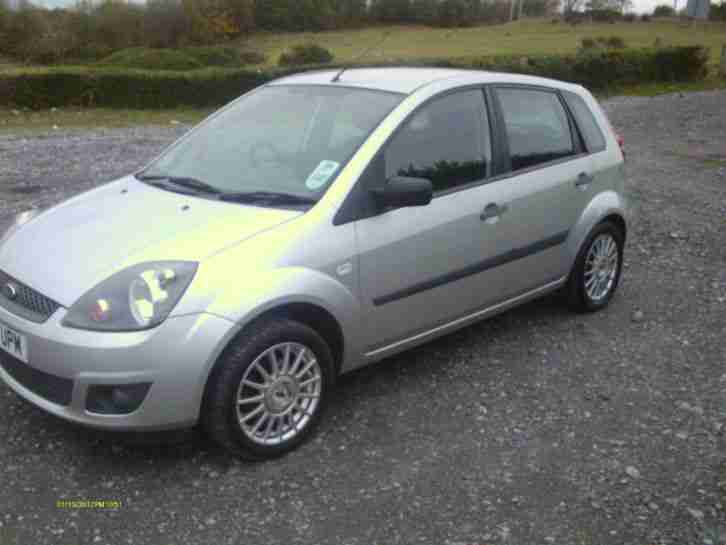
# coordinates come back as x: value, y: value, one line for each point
x: 620, y: 140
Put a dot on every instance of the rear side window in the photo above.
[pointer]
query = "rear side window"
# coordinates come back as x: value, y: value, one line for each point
x: 446, y: 141
x: 537, y: 126
x: 594, y: 138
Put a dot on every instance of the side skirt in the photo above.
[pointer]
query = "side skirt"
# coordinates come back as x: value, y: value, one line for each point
x: 438, y: 331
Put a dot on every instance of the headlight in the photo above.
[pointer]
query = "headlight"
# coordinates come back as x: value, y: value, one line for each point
x: 140, y: 297
x: 18, y: 221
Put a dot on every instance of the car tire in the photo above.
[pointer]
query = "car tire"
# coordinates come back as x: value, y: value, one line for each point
x: 602, y: 249
x: 292, y: 400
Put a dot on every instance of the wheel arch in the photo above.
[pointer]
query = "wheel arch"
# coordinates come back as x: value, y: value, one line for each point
x: 308, y: 313
x: 619, y: 221
x: 314, y: 316
x: 607, y: 206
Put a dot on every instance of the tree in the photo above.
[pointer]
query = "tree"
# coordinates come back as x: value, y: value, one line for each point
x: 623, y: 5
x: 540, y: 8
x: 425, y: 11
x: 571, y: 6
x: 664, y: 11
x: 4, y: 22
x: 392, y: 10
x: 166, y: 23
x: 215, y: 20
x: 350, y: 11
x: 273, y: 14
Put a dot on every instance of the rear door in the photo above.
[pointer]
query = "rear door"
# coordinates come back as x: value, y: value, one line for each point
x: 549, y: 185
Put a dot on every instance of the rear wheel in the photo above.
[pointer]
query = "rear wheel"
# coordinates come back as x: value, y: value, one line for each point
x: 269, y: 390
x: 596, y: 273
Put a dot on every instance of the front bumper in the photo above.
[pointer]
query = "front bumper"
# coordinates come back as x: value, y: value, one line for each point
x: 174, y: 357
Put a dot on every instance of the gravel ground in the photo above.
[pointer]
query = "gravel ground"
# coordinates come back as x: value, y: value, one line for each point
x: 535, y: 427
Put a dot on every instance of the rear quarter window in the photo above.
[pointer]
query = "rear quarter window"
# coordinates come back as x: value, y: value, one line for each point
x: 591, y: 132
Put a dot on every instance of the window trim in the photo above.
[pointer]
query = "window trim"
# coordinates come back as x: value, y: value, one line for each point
x: 351, y: 210
x: 579, y: 128
x: 578, y: 144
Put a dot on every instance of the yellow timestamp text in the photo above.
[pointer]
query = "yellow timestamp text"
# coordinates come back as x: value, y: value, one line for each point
x: 88, y: 504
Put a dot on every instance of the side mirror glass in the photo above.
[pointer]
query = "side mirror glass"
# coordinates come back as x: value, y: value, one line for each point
x: 402, y: 191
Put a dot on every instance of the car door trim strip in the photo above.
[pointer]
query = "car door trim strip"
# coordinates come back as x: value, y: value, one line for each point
x: 476, y: 268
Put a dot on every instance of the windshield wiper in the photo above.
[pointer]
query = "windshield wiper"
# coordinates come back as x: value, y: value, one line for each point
x: 271, y: 196
x: 189, y: 183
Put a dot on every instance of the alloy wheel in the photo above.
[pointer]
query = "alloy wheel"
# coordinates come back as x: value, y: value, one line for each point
x: 279, y: 393
x: 601, y: 267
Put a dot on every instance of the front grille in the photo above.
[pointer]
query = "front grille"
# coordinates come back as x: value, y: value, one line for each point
x: 28, y: 303
x: 55, y: 389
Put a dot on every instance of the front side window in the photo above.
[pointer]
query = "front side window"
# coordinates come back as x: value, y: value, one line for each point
x: 446, y: 141
x: 290, y: 139
x: 537, y: 126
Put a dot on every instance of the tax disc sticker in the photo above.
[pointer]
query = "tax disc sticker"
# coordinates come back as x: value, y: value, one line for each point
x: 322, y: 174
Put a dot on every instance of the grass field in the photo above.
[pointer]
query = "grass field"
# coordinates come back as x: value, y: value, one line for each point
x: 34, y: 122
x: 526, y: 37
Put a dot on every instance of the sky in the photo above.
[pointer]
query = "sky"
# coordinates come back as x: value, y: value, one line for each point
x: 639, y: 6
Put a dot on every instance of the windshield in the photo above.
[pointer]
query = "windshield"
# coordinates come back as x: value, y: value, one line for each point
x: 280, y: 139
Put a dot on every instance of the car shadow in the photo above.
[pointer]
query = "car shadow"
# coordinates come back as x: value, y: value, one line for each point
x: 170, y: 448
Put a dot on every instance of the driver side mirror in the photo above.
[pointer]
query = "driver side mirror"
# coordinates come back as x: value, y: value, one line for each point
x: 402, y: 191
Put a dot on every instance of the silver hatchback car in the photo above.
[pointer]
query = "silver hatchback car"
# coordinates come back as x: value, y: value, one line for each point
x: 315, y: 225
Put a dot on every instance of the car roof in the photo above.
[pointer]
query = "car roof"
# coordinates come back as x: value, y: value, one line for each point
x: 407, y: 80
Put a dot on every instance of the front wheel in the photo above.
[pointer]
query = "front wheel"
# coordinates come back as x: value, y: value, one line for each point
x: 596, y: 273
x: 268, y: 390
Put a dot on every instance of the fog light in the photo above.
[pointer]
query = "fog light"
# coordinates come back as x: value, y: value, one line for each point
x: 116, y: 399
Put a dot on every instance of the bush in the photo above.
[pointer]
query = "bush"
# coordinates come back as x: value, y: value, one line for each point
x: 223, y: 56
x: 630, y: 17
x: 458, y: 13
x: 214, y: 55
x: 604, y: 15
x: 664, y: 11
x: 612, y: 42
x: 152, y: 59
x: 187, y: 58
x: 718, y: 12
x: 615, y: 42
x: 645, y: 18
x: 125, y: 88
x: 305, y: 54
x: 252, y: 57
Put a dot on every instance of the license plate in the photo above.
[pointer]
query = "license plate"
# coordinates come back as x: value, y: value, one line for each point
x: 13, y: 343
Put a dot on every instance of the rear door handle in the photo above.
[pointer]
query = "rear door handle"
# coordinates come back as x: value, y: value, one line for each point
x: 492, y: 212
x: 583, y: 180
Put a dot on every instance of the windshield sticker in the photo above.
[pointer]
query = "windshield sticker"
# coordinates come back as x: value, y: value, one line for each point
x: 322, y: 174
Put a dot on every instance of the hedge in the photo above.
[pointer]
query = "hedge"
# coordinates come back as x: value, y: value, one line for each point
x: 118, y: 88
x: 147, y: 58
x: 181, y: 59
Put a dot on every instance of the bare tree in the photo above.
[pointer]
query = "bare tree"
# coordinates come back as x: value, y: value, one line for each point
x: 570, y: 6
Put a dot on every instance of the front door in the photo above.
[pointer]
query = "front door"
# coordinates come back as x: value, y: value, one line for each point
x: 417, y: 264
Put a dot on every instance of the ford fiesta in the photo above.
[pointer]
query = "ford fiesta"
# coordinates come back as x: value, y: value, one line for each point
x: 315, y: 225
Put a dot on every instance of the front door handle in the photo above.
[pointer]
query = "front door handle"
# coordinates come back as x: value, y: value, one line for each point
x: 492, y: 212
x: 583, y: 180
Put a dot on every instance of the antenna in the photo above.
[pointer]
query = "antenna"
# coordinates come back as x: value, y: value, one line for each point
x: 336, y: 78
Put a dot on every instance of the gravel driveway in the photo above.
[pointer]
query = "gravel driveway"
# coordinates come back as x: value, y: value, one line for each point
x: 535, y: 427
